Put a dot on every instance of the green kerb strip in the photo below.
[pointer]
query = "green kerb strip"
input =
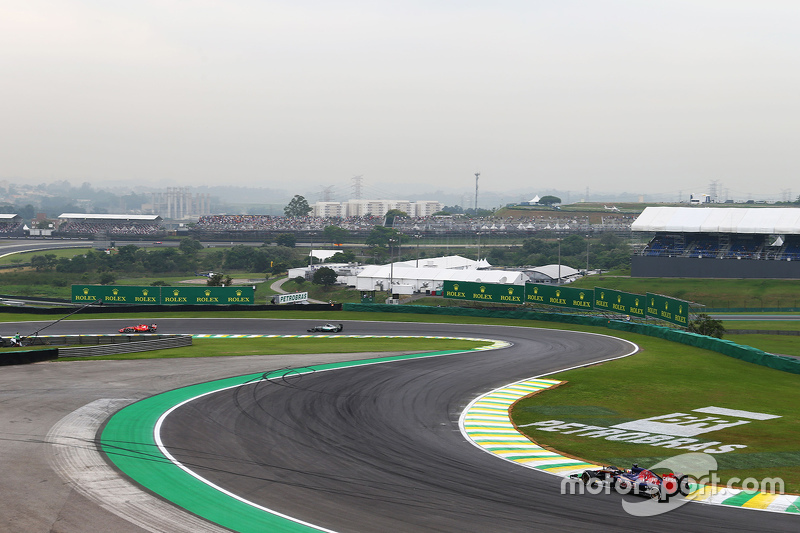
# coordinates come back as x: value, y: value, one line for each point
x: 129, y: 441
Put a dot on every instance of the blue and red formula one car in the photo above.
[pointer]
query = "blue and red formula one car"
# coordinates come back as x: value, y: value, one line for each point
x: 640, y: 481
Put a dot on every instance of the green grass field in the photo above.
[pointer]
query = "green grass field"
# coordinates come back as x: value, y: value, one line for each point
x: 668, y: 378
x: 777, y: 344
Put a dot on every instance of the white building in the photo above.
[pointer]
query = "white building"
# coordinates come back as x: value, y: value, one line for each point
x: 360, y: 208
x: 426, y: 208
x: 329, y: 209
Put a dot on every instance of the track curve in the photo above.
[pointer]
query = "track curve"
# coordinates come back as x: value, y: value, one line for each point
x: 377, y: 448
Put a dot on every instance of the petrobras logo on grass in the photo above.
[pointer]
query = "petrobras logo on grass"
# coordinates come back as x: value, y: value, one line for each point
x: 689, y: 425
x: 674, y: 430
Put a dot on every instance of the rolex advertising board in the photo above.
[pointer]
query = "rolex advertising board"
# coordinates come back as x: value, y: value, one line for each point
x: 559, y: 296
x: 118, y: 295
x: 484, y: 292
x: 668, y: 309
x: 207, y: 295
x: 625, y: 303
x: 163, y: 295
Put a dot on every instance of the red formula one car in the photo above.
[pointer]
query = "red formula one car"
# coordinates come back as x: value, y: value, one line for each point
x: 141, y: 328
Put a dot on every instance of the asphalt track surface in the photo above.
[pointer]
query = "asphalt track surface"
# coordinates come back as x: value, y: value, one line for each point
x: 367, y: 449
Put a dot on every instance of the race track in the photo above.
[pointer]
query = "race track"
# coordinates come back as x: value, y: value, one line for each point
x: 370, y: 448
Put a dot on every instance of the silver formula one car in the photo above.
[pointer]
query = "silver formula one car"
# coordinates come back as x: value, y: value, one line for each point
x: 327, y: 328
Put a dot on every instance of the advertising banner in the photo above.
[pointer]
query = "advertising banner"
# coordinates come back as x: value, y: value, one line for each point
x: 207, y: 295
x: 292, y: 298
x: 668, y: 309
x: 131, y: 295
x: 559, y: 296
x: 625, y: 303
x: 116, y: 294
x: 484, y: 292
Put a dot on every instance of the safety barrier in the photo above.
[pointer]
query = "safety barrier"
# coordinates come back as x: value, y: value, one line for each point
x: 133, y: 345
x: 725, y: 347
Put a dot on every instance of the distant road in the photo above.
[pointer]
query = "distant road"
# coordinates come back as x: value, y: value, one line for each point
x: 9, y: 246
x: 757, y: 316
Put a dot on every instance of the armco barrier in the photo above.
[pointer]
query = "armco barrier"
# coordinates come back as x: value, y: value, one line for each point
x: 163, y: 343
x: 726, y: 347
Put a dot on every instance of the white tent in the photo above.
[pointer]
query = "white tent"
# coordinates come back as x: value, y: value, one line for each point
x: 553, y: 272
x: 455, y: 262
x: 767, y: 220
x: 380, y: 277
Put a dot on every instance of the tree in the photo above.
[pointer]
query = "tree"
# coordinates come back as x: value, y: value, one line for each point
x: 705, y: 325
x: 43, y: 262
x: 380, y: 235
x: 324, y: 276
x: 335, y: 234
x: 390, y: 214
x: 107, y: 278
x: 549, y: 200
x: 215, y: 280
x: 347, y: 256
x: 190, y: 246
x: 297, y: 207
x: 286, y: 239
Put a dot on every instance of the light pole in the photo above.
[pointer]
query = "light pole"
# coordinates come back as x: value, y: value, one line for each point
x: 418, y: 237
x: 559, y: 260
x: 479, y: 247
x: 587, y: 255
x: 399, y: 245
x: 391, y: 265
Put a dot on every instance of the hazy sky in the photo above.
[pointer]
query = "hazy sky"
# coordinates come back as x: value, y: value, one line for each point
x: 638, y: 96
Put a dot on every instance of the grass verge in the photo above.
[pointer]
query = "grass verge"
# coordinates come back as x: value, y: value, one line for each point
x: 287, y: 346
x: 672, y: 378
x: 777, y: 344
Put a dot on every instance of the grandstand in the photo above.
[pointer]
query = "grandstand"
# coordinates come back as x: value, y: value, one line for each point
x: 714, y: 242
x: 10, y: 224
x: 91, y: 225
x: 524, y: 226
x: 263, y: 226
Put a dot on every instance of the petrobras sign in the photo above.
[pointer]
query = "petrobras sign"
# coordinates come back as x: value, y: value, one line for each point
x: 292, y: 298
